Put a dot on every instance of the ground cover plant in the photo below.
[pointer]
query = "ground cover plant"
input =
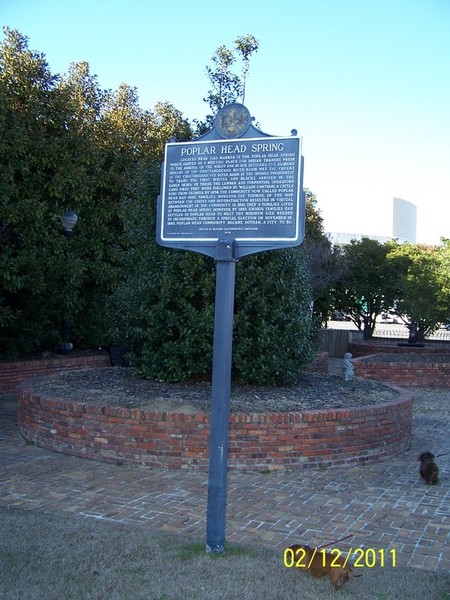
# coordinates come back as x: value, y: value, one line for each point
x: 64, y: 556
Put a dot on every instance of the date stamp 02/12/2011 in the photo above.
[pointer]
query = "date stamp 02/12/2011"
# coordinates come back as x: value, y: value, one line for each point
x: 357, y: 557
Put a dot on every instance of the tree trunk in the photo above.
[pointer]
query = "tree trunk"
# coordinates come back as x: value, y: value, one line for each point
x: 368, y: 331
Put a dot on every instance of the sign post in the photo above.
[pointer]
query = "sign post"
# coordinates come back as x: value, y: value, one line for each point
x: 233, y: 192
x: 220, y: 396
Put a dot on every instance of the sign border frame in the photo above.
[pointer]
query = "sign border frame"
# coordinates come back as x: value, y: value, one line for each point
x: 243, y: 245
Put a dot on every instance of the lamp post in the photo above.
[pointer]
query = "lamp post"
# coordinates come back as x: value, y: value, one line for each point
x: 68, y: 221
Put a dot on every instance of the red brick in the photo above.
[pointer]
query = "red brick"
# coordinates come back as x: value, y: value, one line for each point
x: 179, y: 441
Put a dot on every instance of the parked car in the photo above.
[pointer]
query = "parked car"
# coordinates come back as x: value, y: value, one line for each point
x: 338, y: 315
x: 389, y: 317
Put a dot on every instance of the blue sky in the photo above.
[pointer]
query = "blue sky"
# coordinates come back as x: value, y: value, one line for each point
x: 365, y: 82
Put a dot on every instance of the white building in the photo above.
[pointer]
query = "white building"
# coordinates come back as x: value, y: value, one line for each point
x: 404, y: 222
x: 404, y: 226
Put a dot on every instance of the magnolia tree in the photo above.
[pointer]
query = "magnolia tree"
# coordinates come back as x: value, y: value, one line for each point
x: 65, y: 143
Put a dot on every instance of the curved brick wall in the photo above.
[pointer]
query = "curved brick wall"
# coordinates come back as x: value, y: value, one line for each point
x: 181, y: 441
x: 13, y: 372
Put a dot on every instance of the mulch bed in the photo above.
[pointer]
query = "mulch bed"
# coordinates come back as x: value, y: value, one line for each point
x: 117, y: 386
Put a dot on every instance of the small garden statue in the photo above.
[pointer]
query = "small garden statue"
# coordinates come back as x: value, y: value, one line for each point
x: 347, y: 367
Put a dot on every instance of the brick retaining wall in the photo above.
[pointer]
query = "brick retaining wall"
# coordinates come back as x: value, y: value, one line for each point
x: 384, y: 346
x: 269, y: 441
x: 426, y: 373
x: 13, y: 372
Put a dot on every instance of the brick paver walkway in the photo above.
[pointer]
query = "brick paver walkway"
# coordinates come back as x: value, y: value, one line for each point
x: 384, y: 506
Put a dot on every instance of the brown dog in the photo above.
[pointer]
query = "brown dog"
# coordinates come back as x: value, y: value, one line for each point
x: 428, y: 469
x: 323, y: 563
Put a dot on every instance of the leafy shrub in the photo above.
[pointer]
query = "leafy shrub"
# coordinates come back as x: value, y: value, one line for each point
x: 164, y: 307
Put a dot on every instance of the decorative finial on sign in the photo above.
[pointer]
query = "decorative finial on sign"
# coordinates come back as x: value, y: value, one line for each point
x: 293, y: 132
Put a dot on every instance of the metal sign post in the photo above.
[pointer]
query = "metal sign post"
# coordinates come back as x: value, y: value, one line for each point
x: 220, y: 400
x: 233, y: 192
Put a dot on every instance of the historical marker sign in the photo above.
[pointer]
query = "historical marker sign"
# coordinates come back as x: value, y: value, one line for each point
x: 234, y: 192
x: 245, y: 189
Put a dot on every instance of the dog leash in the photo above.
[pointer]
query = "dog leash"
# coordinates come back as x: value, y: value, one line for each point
x: 335, y: 541
x: 444, y: 454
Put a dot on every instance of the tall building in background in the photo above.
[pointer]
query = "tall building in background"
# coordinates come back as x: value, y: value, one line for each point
x: 404, y: 221
x: 404, y: 226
